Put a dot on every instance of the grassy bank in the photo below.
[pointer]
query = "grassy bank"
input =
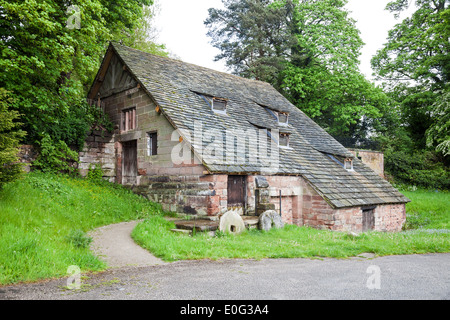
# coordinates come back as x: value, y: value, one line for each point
x: 44, y: 220
x: 428, y: 210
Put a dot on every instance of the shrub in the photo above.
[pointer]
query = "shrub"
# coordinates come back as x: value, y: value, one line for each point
x: 95, y: 173
x: 55, y: 157
x: 10, y: 137
x: 73, y: 126
x: 418, y: 168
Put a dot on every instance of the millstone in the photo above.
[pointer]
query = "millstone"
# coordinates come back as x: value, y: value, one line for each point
x: 270, y: 219
x: 231, y: 222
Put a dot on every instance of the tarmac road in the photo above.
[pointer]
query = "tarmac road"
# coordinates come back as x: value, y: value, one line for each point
x: 419, y: 277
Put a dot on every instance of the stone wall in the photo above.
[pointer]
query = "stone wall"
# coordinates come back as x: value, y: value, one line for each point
x: 98, y: 149
x: 291, y: 188
x: 373, y: 159
x: 179, y: 187
x: 27, y: 154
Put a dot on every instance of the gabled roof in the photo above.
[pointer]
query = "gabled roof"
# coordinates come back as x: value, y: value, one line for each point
x: 180, y: 88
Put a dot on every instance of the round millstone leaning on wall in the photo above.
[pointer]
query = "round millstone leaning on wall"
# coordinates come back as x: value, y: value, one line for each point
x: 270, y: 219
x: 231, y: 222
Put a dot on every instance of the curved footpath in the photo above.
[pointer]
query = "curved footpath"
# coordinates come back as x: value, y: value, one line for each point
x: 114, y: 245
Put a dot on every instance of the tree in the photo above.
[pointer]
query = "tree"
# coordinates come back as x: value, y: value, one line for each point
x: 252, y: 36
x: 10, y: 137
x: 438, y: 134
x: 50, y: 53
x: 143, y: 36
x: 308, y: 50
x: 415, y: 66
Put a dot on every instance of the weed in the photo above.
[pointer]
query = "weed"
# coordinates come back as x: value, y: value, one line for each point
x: 95, y: 173
x: 79, y: 239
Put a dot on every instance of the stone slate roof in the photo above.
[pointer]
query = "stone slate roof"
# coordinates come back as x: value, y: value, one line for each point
x: 180, y: 88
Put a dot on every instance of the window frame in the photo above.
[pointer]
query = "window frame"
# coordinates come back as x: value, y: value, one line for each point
x: 287, y: 118
x: 287, y: 135
x: 152, y: 143
x: 346, y: 162
x: 224, y: 101
x: 126, y: 125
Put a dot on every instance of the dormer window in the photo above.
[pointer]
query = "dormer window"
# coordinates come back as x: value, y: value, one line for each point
x: 348, y: 164
x: 219, y: 105
x: 283, y: 140
x: 283, y: 118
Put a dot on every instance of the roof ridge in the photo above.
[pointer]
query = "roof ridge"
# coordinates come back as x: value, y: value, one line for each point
x: 189, y: 63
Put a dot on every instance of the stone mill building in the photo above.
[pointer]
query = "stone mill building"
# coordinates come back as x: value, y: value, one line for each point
x: 201, y: 142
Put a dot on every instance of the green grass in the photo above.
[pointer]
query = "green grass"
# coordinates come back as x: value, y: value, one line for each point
x: 428, y: 207
x: 44, y: 220
x: 290, y: 242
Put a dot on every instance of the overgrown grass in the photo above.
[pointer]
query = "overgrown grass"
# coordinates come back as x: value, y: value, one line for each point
x: 44, y: 219
x: 429, y: 209
x: 154, y: 234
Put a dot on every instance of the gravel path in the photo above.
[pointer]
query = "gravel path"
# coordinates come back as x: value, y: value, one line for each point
x: 114, y: 245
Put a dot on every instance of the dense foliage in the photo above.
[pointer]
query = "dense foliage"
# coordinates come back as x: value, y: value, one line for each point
x: 50, y: 53
x: 414, y: 66
x: 10, y: 136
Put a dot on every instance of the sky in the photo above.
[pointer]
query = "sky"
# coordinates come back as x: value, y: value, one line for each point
x: 180, y: 27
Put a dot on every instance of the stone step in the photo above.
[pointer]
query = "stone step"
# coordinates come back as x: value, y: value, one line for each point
x: 198, y: 224
x: 251, y: 221
x: 185, y: 231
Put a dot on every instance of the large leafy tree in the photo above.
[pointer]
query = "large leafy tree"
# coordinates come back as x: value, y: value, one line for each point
x: 10, y: 136
x: 252, y: 36
x: 50, y: 51
x: 143, y: 36
x: 307, y: 49
x: 415, y: 66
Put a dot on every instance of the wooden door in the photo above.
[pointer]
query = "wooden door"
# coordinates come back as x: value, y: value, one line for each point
x: 129, y: 158
x: 368, y: 219
x: 236, y: 191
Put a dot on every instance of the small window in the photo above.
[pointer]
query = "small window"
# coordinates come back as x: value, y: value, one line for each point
x: 284, y: 140
x: 348, y: 164
x: 219, y: 105
x: 152, y: 143
x: 129, y: 119
x: 283, y: 117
